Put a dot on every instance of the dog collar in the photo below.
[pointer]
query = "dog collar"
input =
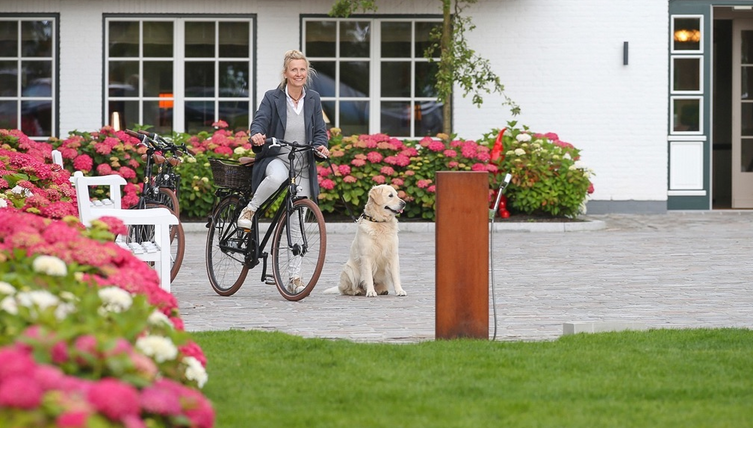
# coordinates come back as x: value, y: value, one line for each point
x: 369, y: 218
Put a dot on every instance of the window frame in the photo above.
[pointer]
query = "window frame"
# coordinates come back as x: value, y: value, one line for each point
x: 179, y: 61
x: 375, y: 59
x: 54, y: 59
x: 675, y: 95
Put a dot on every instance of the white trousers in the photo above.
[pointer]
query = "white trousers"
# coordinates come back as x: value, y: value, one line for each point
x: 275, y: 174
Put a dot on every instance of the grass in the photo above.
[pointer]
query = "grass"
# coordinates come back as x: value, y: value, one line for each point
x: 658, y: 378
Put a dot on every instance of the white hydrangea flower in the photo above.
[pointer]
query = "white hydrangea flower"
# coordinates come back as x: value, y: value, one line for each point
x: 7, y: 288
x: 158, y: 318
x: 523, y: 137
x: 239, y: 151
x: 115, y: 299
x: 63, y: 310
x: 158, y: 347
x: 42, y: 299
x: 3, y: 203
x: 195, y: 371
x: 567, y: 156
x: 520, y: 152
x: 51, y: 265
x: 9, y: 305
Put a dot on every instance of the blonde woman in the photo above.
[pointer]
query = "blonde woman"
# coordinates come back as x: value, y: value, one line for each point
x: 291, y: 112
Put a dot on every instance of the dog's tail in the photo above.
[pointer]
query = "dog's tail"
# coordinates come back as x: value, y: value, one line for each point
x: 332, y: 290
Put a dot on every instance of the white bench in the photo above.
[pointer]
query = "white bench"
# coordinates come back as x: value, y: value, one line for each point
x: 156, y: 250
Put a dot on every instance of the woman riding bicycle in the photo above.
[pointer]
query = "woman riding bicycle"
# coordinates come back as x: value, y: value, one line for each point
x: 292, y: 113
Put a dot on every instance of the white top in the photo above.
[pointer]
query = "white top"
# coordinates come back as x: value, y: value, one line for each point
x: 296, y: 108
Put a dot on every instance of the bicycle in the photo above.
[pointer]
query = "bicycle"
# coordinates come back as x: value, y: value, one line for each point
x: 297, y: 231
x: 157, y: 193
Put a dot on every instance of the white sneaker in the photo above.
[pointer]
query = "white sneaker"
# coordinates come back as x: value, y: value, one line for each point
x: 295, y: 285
x: 245, y: 220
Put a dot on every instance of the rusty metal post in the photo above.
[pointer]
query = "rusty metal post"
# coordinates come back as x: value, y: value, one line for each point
x: 462, y: 255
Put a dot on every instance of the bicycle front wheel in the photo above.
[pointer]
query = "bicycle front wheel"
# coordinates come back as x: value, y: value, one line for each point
x: 225, y: 254
x: 298, y: 261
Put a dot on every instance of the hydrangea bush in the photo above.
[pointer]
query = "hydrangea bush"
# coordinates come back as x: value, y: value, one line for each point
x: 548, y: 176
x: 30, y: 184
x: 87, y: 337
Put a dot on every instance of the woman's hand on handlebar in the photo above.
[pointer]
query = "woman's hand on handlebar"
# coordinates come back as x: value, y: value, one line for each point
x: 258, y: 139
x: 322, y: 151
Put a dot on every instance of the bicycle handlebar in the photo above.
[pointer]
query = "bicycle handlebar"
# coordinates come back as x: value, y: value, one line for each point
x: 158, y: 142
x: 294, y: 146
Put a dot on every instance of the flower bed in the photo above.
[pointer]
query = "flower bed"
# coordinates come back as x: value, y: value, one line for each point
x: 87, y: 336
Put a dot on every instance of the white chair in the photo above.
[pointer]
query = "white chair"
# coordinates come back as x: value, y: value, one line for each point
x: 85, y: 203
x: 57, y: 158
x: 156, y: 249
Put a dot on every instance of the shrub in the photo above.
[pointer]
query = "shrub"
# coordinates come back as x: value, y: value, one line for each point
x: 548, y: 177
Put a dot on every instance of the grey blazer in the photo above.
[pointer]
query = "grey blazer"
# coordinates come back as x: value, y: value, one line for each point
x: 270, y: 119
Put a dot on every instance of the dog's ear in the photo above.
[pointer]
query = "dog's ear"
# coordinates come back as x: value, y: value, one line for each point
x: 373, y: 193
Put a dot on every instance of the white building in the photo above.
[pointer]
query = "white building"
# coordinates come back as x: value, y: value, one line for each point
x: 654, y: 92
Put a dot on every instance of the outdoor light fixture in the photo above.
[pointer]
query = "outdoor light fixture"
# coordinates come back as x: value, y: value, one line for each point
x: 688, y: 35
x: 115, y: 121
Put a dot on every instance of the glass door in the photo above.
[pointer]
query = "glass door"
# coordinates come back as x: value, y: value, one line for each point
x: 742, y: 113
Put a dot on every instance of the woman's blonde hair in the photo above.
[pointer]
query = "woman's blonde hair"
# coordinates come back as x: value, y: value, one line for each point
x: 292, y: 55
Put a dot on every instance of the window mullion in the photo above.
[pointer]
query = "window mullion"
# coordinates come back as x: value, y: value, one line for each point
x: 179, y: 81
x: 375, y: 94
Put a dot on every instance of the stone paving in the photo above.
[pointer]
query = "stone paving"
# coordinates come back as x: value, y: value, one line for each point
x: 674, y: 270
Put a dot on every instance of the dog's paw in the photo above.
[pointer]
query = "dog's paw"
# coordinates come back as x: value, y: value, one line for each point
x: 371, y: 293
x: 401, y: 293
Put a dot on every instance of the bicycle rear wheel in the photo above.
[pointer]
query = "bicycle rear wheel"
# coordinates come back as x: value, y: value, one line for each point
x: 167, y: 196
x: 304, y: 259
x: 225, y: 254
x: 177, y: 242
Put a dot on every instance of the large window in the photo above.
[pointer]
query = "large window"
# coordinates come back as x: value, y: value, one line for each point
x: 28, y: 70
x: 179, y: 74
x: 373, y: 76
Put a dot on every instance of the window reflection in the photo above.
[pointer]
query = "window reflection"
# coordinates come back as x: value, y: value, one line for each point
x: 687, y: 115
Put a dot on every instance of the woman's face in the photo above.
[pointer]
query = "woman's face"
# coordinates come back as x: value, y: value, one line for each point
x: 296, y: 73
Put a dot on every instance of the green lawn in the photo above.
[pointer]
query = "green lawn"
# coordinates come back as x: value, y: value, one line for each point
x: 658, y: 378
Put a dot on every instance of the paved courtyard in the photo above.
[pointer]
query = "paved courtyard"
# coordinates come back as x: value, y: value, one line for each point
x: 675, y: 270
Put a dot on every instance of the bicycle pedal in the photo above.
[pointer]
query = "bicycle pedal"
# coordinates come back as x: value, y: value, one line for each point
x: 270, y: 280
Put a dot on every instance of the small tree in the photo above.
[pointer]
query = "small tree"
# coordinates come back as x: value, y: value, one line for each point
x: 458, y: 63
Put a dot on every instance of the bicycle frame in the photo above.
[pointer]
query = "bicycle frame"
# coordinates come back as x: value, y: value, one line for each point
x: 252, y: 247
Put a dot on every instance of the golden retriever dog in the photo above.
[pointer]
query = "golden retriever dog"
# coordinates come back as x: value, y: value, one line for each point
x: 373, y: 266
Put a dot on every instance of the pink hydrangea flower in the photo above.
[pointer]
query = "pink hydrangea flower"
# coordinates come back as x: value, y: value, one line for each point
x: 72, y: 419
x: 374, y: 157
x: 436, y: 146
x: 358, y: 162
x: 328, y: 184
x: 83, y: 163
x: 114, y: 398
x: 423, y: 184
x: 349, y: 179
x: 344, y: 169
x: 387, y: 170
x: 378, y: 179
x: 20, y: 391
x: 104, y: 169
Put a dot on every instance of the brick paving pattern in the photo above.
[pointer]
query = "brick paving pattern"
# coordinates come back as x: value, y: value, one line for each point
x: 675, y: 270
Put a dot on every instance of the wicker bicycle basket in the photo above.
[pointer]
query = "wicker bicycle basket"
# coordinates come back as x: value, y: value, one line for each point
x: 230, y: 174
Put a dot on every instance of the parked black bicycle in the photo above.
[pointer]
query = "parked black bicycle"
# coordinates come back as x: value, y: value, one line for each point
x: 297, y: 230
x: 160, y: 191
